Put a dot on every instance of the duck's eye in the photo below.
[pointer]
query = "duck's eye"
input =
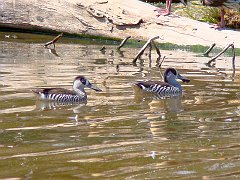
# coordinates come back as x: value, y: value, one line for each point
x: 83, y: 80
x: 174, y: 72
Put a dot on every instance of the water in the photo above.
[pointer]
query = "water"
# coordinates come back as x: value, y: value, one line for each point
x: 118, y: 134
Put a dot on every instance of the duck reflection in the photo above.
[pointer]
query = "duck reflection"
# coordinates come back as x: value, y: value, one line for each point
x: 52, y: 105
x: 160, y: 109
x: 158, y: 102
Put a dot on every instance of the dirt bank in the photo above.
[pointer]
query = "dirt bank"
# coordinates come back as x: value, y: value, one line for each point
x: 111, y: 18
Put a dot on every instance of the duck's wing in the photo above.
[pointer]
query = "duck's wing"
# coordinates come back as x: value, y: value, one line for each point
x: 152, y: 86
x: 53, y: 91
x: 158, y: 87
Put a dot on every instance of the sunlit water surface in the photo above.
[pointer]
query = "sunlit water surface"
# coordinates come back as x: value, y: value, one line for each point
x: 118, y: 134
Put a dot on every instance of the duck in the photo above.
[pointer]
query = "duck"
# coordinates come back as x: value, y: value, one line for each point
x: 167, y: 10
x: 170, y: 86
x: 223, y: 5
x: 77, y: 94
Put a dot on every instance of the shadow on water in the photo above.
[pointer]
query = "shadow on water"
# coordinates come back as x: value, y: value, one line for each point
x: 117, y: 134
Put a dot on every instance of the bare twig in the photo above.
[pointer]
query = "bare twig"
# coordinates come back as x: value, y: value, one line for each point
x: 123, y: 42
x: 157, y: 50
x: 143, y: 48
x: 209, y: 50
x: 150, y: 51
x: 219, y: 54
x: 150, y: 55
x: 160, y: 64
x: 53, y: 41
x: 233, y: 60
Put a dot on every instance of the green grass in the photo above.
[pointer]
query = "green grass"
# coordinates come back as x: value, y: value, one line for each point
x: 195, y: 10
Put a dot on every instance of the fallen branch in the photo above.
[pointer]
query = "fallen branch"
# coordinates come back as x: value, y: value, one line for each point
x: 233, y: 60
x: 53, y: 41
x: 150, y: 55
x: 150, y: 51
x: 143, y: 48
x: 209, y: 50
x: 157, y: 50
x: 123, y: 42
x: 219, y: 54
x: 160, y: 64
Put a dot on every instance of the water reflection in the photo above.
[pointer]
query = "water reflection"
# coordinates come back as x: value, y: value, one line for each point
x: 53, y: 51
x: 158, y: 102
x: 51, y: 105
x: 117, y: 134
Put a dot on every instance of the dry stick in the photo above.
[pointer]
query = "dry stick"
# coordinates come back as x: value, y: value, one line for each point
x: 143, y: 48
x: 150, y: 55
x: 233, y: 60
x: 209, y: 50
x: 219, y: 54
x: 157, y: 50
x: 53, y: 41
x: 160, y: 64
x: 123, y: 42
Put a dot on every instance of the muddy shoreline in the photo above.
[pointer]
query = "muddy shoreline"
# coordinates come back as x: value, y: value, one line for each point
x: 111, y: 18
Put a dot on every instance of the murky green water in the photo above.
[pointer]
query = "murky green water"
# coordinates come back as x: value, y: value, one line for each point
x: 118, y: 134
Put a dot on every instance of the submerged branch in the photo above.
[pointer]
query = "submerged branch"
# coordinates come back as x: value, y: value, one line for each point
x: 150, y: 55
x: 160, y: 64
x: 209, y: 50
x: 123, y: 42
x: 143, y: 48
x: 53, y: 41
x: 233, y: 57
x: 219, y: 54
x: 157, y: 50
x: 233, y: 60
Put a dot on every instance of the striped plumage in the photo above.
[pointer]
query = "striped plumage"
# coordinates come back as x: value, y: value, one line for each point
x: 64, y: 95
x: 61, y: 96
x: 49, y: 104
x: 170, y: 86
x: 223, y: 4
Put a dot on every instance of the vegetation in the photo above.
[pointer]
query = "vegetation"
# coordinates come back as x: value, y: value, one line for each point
x: 197, y: 11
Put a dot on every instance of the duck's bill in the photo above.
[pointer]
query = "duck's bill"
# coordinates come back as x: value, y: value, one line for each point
x: 184, y: 79
x: 94, y: 88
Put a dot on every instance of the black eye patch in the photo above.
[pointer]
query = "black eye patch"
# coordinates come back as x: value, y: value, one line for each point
x: 174, y: 71
x: 83, y: 80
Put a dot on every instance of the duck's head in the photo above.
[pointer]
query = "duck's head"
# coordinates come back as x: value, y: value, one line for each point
x: 172, y: 74
x: 81, y: 82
